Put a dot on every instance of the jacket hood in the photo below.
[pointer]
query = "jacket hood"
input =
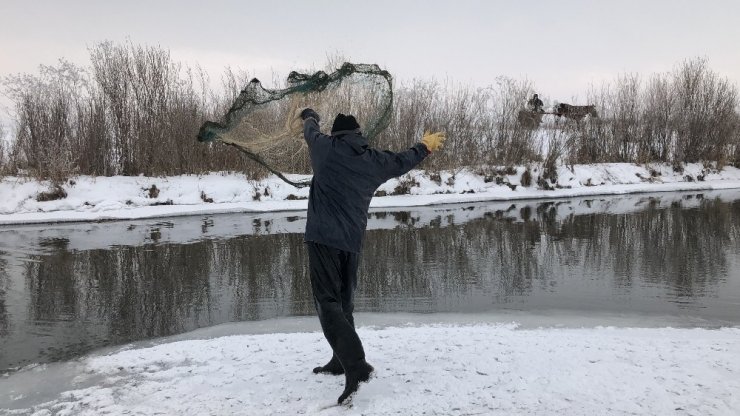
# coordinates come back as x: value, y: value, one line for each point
x: 354, y: 139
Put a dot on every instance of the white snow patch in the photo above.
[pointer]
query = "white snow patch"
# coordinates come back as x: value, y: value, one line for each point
x: 103, y: 198
x: 441, y: 369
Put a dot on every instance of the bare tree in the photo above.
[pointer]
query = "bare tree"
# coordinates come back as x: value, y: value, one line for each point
x: 656, y: 138
x: 135, y: 110
x: 706, y: 115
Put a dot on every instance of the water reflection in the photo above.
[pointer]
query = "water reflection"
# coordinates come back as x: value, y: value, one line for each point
x: 4, y: 283
x: 66, y: 289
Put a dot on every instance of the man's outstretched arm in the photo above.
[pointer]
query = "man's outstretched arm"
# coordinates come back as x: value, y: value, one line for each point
x: 397, y: 164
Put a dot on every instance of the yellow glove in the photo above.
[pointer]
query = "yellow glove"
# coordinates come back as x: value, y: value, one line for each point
x: 433, y: 141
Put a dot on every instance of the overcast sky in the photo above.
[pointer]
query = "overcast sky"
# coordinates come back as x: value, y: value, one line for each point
x: 561, y: 46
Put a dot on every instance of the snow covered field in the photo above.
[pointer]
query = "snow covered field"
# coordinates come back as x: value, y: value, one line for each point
x: 101, y: 198
x: 435, y: 369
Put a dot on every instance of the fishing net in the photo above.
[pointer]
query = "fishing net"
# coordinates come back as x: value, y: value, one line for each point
x: 264, y: 123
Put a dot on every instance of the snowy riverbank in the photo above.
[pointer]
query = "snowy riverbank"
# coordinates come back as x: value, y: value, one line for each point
x: 107, y: 198
x: 438, y: 369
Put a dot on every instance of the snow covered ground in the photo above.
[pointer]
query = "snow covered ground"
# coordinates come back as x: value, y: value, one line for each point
x: 468, y: 368
x: 101, y: 198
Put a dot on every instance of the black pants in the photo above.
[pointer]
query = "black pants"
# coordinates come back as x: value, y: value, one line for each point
x: 333, y: 280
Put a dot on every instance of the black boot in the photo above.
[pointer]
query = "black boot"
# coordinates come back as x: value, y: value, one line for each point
x: 353, y: 377
x: 333, y: 367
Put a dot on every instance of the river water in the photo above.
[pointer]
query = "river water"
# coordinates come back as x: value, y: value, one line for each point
x: 66, y: 289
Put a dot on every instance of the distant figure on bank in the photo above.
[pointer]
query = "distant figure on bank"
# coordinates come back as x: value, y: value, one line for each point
x: 346, y: 173
x: 535, y: 104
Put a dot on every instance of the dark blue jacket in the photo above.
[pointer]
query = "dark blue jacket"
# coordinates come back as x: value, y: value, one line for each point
x: 346, y: 173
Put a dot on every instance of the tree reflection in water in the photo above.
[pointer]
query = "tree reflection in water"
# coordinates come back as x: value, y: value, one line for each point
x: 520, y: 255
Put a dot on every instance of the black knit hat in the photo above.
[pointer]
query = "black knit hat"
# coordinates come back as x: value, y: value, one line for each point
x: 344, y: 123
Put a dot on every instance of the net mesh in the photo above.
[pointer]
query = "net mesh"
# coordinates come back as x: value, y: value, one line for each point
x: 264, y: 123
